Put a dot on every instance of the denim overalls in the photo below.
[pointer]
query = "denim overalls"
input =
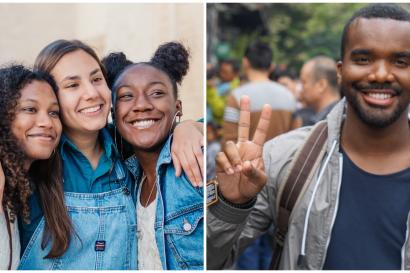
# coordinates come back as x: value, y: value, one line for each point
x: 179, y: 224
x: 104, y: 234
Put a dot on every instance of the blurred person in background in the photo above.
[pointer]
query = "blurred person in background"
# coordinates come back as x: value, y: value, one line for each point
x: 213, y: 146
x: 320, y: 88
x: 220, y: 82
x: 257, y: 66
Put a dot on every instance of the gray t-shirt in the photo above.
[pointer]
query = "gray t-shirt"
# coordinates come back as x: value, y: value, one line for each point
x: 4, y: 244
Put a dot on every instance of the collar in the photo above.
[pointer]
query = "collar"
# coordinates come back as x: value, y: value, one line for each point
x: 335, y: 120
x: 164, y: 158
x: 104, y: 136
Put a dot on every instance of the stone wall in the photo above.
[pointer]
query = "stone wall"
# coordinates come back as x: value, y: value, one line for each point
x: 136, y: 29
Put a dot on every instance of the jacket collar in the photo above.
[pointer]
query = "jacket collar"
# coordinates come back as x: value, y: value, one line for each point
x: 334, y: 122
x: 164, y: 158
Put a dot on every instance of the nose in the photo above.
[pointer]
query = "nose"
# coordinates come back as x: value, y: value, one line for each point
x: 381, y: 72
x: 44, y: 120
x: 142, y: 104
x: 90, y: 91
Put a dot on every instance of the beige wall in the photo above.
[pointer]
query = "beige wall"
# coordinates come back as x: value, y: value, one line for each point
x: 136, y: 29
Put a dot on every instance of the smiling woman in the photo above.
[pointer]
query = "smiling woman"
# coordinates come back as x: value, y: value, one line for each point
x: 146, y: 106
x: 30, y: 131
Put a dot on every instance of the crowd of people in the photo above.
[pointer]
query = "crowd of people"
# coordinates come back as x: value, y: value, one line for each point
x: 347, y: 207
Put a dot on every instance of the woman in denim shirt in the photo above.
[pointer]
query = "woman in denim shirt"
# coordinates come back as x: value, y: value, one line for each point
x: 169, y: 208
x: 97, y: 186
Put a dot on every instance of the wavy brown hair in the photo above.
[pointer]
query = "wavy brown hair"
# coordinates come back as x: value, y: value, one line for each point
x: 43, y: 176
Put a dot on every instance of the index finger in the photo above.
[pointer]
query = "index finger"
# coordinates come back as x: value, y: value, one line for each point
x: 263, y: 125
x: 244, y: 119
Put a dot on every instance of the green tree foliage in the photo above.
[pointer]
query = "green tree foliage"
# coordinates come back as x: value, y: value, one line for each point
x: 297, y: 32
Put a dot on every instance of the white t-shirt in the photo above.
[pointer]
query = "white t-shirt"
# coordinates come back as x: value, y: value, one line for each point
x: 148, y: 255
x: 4, y: 244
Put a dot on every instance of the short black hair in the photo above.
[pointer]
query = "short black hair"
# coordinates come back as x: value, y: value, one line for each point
x: 232, y: 62
x: 259, y: 55
x: 380, y: 10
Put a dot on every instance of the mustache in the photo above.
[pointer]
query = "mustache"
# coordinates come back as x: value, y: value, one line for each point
x: 377, y: 86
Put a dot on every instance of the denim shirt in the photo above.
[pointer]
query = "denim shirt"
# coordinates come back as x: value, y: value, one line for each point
x: 84, y: 186
x: 79, y: 176
x: 179, y: 214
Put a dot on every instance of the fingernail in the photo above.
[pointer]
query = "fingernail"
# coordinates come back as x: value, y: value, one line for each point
x: 230, y: 171
x: 238, y: 168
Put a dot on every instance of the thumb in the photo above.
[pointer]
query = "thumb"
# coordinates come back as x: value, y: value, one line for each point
x: 257, y: 176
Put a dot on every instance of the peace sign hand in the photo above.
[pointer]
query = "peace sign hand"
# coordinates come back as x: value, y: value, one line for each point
x: 240, y: 169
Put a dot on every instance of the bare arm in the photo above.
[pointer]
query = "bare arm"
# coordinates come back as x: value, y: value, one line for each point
x: 187, y: 151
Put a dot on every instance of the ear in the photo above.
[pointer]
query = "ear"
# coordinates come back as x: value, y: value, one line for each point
x: 271, y: 68
x: 339, y: 67
x: 178, y: 106
x: 245, y: 62
x: 321, y: 85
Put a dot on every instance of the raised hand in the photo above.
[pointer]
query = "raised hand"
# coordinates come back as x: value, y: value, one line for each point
x: 186, y: 150
x: 2, y: 183
x: 239, y: 168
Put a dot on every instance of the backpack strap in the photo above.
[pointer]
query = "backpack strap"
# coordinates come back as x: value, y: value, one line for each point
x: 6, y: 215
x: 303, y: 167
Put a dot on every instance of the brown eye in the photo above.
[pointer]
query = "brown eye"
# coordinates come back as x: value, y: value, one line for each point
x: 361, y: 60
x: 54, y: 114
x: 401, y: 63
x: 29, y: 110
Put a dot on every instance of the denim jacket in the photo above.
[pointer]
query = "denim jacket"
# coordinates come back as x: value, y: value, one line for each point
x: 179, y: 214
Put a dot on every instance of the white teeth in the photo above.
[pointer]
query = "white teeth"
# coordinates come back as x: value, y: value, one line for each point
x: 380, y: 96
x: 91, y: 110
x: 42, y: 137
x: 143, y: 124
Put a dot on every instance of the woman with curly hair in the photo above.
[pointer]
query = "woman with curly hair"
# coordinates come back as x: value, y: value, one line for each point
x: 170, y: 209
x: 98, y: 189
x: 30, y: 129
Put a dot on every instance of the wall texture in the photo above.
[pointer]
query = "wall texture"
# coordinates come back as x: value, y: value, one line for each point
x: 136, y: 29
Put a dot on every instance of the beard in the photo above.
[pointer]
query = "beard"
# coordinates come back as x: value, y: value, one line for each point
x: 373, y: 116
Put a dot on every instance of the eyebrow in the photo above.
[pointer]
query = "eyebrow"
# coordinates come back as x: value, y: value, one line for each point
x: 403, y: 54
x: 36, y: 101
x: 76, y: 77
x: 360, y: 52
x: 156, y: 82
x: 129, y: 86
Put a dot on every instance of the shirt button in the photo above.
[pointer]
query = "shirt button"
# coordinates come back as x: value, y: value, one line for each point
x: 126, y: 191
x: 187, y: 225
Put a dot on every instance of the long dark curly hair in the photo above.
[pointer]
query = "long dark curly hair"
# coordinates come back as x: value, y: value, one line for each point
x: 43, y: 176
x: 17, y: 189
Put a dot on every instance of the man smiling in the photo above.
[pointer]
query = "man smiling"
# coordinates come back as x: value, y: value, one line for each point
x: 354, y: 210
